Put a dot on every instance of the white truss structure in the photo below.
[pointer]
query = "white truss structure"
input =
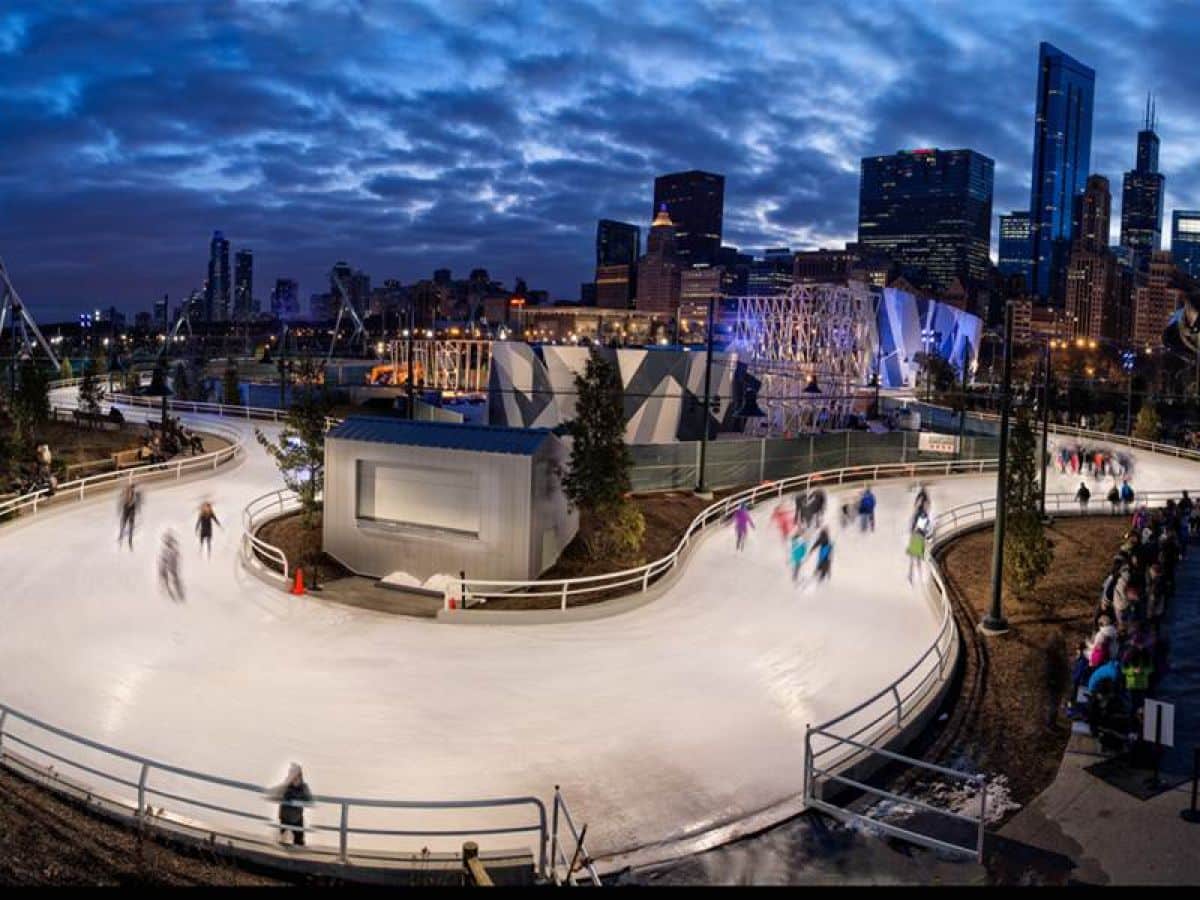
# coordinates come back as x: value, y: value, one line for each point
x: 810, y: 347
x: 449, y: 364
x: 25, y: 331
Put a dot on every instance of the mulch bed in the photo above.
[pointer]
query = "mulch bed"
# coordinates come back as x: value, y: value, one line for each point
x: 298, y: 545
x: 1008, y: 717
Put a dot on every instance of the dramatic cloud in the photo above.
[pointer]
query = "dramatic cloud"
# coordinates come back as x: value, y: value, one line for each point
x: 404, y: 137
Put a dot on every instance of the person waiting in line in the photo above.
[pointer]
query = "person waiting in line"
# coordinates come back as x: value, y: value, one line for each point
x: 1114, y: 497
x: 293, y: 795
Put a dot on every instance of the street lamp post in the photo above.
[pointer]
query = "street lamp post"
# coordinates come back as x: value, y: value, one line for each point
x: 927, y: 341
x: 994, y: 622
x: 702, y: 488
x: 1045, y: 426
x: 1128, y: 361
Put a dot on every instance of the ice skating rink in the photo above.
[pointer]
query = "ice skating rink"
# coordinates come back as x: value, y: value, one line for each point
x: 658, y: 723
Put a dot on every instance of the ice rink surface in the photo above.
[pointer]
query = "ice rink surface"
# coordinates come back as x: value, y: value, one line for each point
x: 658, y: 723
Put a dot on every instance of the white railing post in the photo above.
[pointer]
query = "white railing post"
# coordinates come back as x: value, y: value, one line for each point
x: 564, y: 596
x: 343, y: 832
x: 142, y: 790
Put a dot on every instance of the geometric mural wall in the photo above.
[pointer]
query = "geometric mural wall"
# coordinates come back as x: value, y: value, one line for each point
x: 907, y: 325
x: 533, y: 386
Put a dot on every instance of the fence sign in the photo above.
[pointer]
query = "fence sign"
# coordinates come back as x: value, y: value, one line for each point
x: 1152, y: 713
x: 929, y: 442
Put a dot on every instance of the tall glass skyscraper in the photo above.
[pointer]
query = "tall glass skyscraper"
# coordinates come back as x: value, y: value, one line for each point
x: 930, y: 211
x: 617, y: 243
x: 1185, y: 240
x: 695, y: 201
x: 1062, y: 156
x: 243, y: 285
x: 1142, y: 197
x: 216, y: 288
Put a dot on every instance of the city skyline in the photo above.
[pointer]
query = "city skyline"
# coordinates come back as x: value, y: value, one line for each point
x: 135, y: 132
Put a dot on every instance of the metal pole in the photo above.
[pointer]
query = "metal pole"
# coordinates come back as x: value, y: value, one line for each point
x: 412, y: 410
x: 1045, y: 430
x: 994, y: 622
x: 702, y: 488
x: 962, y: 416
x: 1129, y: 405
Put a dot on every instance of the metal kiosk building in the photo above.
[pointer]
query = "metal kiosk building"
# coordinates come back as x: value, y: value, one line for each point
x: 430, y: 498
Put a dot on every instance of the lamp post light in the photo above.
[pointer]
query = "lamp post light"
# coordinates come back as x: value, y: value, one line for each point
x: 702, y: 490
x: 1128, y: 361
x: 994, y: 622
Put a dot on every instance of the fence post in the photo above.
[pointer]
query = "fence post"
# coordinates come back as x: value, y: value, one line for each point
x: 696, y: 480
x: 554, y: 836
x: 142, y: 790
x: 847, y: 458
x: 808, y: 793
x: 342, y: 831
x: 762, y: 459
x: 646, y: 580
x: 564, y: 596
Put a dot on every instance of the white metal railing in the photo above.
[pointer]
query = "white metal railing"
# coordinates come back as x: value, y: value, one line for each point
x: 478, y: 590
x: 258, y: 510
x: 223, y: 410
x: 580, y: 859
x: 131, y: 782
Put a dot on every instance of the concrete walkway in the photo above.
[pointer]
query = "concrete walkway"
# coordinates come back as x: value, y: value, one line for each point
x: 1111, y: 836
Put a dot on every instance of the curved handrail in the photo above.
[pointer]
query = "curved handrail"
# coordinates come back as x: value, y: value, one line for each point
x: 478, y: 588
x: 276, y: 502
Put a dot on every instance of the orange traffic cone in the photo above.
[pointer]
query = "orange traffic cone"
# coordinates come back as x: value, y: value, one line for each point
x: 298, y: 585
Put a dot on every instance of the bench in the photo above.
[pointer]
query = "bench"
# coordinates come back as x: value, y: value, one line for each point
x: 123, y: 459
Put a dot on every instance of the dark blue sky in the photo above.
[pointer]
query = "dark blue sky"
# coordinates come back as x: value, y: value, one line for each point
x: 408, y: 136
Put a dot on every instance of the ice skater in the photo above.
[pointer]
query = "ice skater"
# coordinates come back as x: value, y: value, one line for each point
x: 823, y: 547
x: 1083, y: 495
x: 131, y: 500
x: 293, y: 795
x: 783, y: 520
x: 916, y: 543
x: 742, y: 523
x: 168, y: 567
x: 204, y: 524
x: 799, y: 551
x: 866, y: 510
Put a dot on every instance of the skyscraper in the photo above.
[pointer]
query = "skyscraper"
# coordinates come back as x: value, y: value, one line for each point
x: 930, y: 211
x: 1062, y: 157
x: 216, y: 288
x: 617, y: 243
x: 243, y: 285
x: 1142, y: 197
x: 1155, y: 300
x: 1093, y: 308
x: 1014, y: 245
x: 285, y: 299
x: 1185, y: 240
x: 658, y: 270
x: 695, y: 201
x: 160, y: 311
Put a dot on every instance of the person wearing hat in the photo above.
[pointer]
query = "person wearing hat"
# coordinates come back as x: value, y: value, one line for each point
x: 293, y: 795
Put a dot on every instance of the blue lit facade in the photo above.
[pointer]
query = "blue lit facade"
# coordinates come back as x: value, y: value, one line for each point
x: 1014, y: 245
x: 1185, y: 240
x: 1062, y: 155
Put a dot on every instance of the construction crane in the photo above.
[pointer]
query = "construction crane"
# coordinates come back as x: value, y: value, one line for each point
x: 360, y: 330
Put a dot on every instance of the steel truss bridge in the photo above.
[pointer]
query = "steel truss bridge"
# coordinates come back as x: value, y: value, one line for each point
x: 448, y: 364
x: 810, y: 347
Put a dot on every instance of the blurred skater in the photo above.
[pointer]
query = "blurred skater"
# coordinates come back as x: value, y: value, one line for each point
x: 204, y: 526
x: 814, y: 511
x: 131, y: 500
x: 1083, y: 495
x: 798, y: 552
x: 866, y: 510
x: 293, y: 795
x: 823, y: 547
x: 742, y: 523
x: 916, y: 543
x: 782, y: 517
x: 168, y: 567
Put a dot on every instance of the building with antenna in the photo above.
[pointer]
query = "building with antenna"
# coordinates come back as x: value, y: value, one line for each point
x: 1142, y: 195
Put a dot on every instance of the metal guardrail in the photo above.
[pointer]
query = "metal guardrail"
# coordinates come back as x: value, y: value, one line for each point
x: 147, y: 779
x: 258, y: 510
x: 580, y: 858
x: 479, y: 590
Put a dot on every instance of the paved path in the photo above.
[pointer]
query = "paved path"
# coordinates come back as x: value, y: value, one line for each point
x: 1112, y: 836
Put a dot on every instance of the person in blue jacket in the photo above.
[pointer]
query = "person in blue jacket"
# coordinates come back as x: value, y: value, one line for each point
x: 866, y: 510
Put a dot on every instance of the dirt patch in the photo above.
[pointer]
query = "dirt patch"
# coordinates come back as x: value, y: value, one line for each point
x: 299, y: 545
x: 48, y: 841
x: 1010, y: 711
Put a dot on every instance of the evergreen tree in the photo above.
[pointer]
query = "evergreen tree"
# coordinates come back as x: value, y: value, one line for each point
x: 1108, y: 422
x: 181, y: 381
x: 90, y: 391
x: 65, y: 371
x: 598, y: 481
x: 1147, y: 425
x: 1027, y: 553
x: 231, y: 387
x: 300, y: 451
x: 30, y: 406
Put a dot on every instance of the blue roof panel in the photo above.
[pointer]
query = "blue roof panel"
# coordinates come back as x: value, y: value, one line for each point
x: 446, y: 435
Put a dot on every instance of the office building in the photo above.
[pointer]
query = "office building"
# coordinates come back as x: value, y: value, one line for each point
x: 285, y: 299
x: 1155, y: 300
x: 617, y: 243
x: 1142, y: 197
x: 160, y: 311
x: 1092, y: 303
x: 1014, y: 245
x: 1185, y: 240
x: 217, y: 287
x: 615, y: 285
x: 658, y: 271
x: 243, y: 285
x: 1062, y: 156
x: 771, y: 275
x: 823, y: 266
x: 930, y: 211
x: 695, y: 201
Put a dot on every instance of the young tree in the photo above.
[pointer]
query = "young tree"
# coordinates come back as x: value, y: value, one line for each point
x: 65, y: 371
x: 90, y: 391
x: 1027, y: 553
x: 30, y: 406
x: 1108, y: 422
x: 300, y: 451
x: 1147, y: 425
x: 597, y: 481
x: 230, y: 386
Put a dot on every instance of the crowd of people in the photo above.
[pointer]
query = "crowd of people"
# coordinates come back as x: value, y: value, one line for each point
x: 1121, y: 664
x: 172, y: 438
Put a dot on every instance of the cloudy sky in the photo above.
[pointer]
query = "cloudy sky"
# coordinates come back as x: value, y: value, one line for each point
x: 404, y: 137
